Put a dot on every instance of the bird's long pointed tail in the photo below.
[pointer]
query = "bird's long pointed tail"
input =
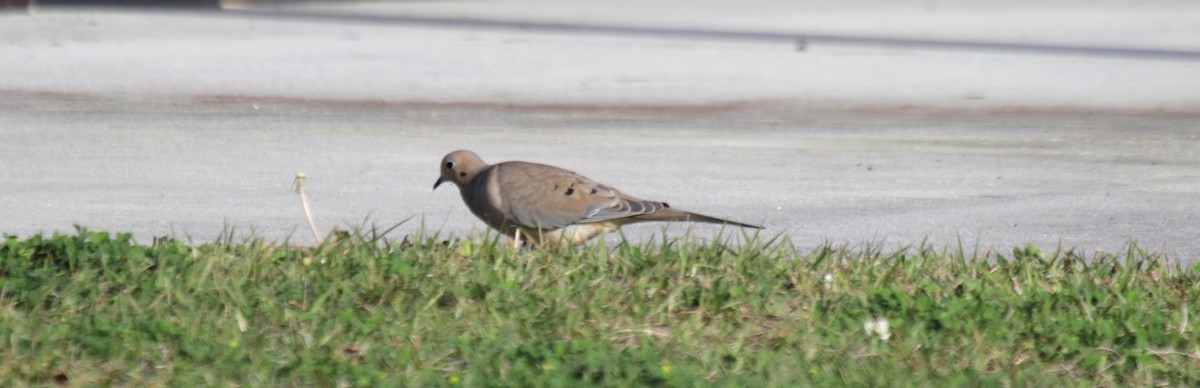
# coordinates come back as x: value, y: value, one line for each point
x: 669, y: 214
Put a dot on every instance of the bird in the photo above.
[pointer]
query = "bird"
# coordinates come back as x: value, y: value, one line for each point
x: 550, y: 205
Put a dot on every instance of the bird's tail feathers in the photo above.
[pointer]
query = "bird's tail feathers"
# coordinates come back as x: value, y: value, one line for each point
x: 669, y: 214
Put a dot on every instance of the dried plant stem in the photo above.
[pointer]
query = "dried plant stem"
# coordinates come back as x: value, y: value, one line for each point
x: 312, y: 223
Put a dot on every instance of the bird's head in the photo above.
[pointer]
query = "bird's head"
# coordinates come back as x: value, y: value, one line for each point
x: 459, y: 167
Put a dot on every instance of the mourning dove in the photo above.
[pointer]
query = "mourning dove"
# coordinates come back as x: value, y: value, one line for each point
x: 549, y: 204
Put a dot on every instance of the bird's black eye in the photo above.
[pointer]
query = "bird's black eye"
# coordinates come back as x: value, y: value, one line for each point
x: 450, y: 165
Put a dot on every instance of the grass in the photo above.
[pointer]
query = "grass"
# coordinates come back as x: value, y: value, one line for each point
x: 96, y: 308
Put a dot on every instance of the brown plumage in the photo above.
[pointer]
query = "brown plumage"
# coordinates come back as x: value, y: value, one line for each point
x: 549, y: 204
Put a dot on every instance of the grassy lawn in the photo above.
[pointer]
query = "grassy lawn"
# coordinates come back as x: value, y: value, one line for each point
x: 97, y: 308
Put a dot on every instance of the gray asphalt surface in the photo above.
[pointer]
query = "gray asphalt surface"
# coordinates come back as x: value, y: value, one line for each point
x: 156, y: 141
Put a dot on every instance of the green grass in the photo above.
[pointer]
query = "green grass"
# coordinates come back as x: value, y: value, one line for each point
x: 99, y: 309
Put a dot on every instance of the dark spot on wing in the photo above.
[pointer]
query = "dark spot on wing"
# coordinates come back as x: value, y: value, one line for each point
x: 593, y: 190
x: 462, y: 174
x: 570, y: 190
x: 666, y: 205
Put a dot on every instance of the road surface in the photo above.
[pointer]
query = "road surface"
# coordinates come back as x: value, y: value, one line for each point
x: 1082, y: 133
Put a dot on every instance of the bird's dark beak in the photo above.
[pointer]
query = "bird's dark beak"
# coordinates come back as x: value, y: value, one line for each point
x: 439, y: 182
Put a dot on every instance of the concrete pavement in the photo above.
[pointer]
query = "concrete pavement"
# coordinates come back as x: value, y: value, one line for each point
x: 182, y: 122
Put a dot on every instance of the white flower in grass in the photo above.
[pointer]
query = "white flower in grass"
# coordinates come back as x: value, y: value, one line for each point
x: 828, y: 280
x: 878, y: 327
